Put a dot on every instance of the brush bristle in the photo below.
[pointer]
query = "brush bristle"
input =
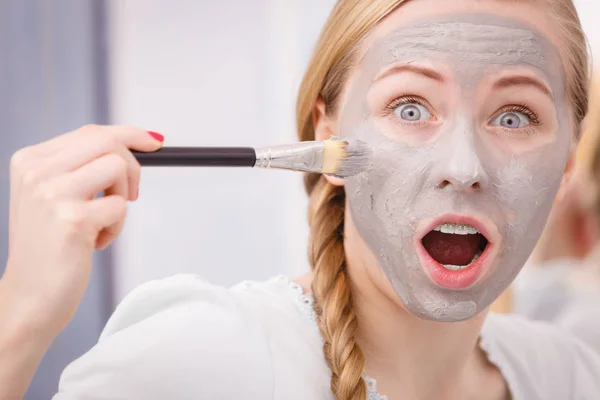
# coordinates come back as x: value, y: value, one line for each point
x: 344, y: 158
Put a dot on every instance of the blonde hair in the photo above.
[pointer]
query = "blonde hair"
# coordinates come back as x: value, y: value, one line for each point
x: 588, y: 155
x: 334, y: 55
x: 589, y: 146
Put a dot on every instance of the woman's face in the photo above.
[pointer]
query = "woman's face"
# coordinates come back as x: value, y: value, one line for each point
x: 464, y: 105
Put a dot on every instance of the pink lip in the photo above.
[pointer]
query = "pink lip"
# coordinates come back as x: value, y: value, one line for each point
x: 465, y: 278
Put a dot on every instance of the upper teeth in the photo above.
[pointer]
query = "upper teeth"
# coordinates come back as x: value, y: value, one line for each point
x: 456, y: 229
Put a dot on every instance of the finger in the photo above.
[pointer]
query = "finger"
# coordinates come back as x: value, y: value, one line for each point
x: 118, y: 138
x: 90, y: 143
x: 30, y: 165
x: 110, y: 233
x: 107, y: 173
x: 131, y: 137
x: 70, y: 151
x: 66, y: 162
x: 108, y: 214
x: 107, y: 235
x: 133, y: 173
x: 82, y: 149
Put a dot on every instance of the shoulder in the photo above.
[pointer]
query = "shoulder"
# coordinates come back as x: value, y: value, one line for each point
x: 185, y: 330
x: 582, y: 317
x: 540, y: 360
x: 173, y: 297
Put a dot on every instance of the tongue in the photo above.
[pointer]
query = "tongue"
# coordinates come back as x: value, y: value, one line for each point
x: 449, y: 249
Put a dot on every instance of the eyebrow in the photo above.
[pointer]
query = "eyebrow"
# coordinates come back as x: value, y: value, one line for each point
x: 427, y: 72
x: 523, y: 80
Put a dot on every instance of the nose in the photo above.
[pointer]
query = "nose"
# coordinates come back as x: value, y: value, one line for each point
x: 461, y: 168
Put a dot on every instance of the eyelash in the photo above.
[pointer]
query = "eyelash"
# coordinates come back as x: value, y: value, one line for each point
x: 523, y: 109
x: 408, y: 99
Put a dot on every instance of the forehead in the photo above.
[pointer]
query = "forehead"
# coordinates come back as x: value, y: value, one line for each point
x: 467, y: 39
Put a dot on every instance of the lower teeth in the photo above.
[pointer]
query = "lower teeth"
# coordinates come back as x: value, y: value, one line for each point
x: 460, y: 267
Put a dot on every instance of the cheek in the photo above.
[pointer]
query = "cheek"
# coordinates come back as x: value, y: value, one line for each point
x: 516, y: 189
x: 526, y: 189
x: 383, y: 199
x: 533, y: 178
x: 390, y: 198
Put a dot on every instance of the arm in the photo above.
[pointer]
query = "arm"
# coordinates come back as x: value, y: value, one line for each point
x: 582, y: 318
x: 56, y: 222
x: 178, y: 338
x: 21, y: 349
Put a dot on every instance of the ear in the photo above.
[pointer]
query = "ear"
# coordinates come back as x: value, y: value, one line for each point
x: 325, y: 127
x: 584, y: 231
x: 567, y: 175
x: 584, y: 125
x: 582, y: 224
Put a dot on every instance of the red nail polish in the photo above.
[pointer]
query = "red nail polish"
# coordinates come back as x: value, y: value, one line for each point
x: 157, y: 136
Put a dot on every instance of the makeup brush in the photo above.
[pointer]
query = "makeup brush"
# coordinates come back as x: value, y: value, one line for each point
x: 338, y: 157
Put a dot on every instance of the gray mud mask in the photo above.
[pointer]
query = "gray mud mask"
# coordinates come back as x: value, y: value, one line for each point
x: 409, y: 183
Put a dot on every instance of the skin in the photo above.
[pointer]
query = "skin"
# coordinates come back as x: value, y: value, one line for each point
x: 394, y: 300
x: 53, y: 211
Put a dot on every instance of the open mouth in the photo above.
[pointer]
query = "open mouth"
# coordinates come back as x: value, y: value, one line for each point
x: 455, y: 251
x: 455, y: 246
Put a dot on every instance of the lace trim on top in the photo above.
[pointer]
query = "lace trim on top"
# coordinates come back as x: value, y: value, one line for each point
x: 305, y: 304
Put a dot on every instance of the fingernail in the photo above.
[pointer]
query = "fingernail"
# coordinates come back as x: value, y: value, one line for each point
x: 157, y: 136
x: 137, y: 195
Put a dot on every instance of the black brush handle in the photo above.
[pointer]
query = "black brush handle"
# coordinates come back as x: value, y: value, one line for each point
x: 198, y: 157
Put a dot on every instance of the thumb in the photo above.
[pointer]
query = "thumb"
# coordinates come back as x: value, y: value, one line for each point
x: 136, y: 138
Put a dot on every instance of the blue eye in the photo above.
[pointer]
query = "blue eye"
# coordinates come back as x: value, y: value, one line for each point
x: 412, y: 112
x: 511, y: 120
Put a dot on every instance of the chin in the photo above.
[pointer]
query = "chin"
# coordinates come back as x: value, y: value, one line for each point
x: 442, y: 310
x: 427, y: 301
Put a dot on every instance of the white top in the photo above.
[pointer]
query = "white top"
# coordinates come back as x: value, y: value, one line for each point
x: 562, y: 292
x: 183, y: 338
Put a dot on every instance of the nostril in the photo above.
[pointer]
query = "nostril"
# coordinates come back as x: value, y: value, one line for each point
x: 458, y: 185
x: 443, y: 184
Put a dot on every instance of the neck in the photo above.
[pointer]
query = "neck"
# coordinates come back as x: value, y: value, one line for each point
x: 593, y: 257
x: 586, y: 277
x: 403, y: 350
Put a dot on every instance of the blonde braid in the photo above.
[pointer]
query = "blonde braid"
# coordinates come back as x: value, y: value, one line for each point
x: 348, y: 23
x: 331, y: 289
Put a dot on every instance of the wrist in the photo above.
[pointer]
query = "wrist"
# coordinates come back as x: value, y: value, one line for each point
x: 22, y: 345
x: 18, y: 320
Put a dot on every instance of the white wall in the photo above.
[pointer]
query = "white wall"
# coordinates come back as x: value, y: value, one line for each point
x: 218, y: 73
x: 212, y: 73
x: 589, y: 13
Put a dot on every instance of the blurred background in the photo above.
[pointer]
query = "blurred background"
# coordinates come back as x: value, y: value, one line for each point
x: 201, y: 73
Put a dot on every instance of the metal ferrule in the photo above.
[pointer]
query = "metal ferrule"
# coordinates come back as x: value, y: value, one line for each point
x: 305, y: 156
